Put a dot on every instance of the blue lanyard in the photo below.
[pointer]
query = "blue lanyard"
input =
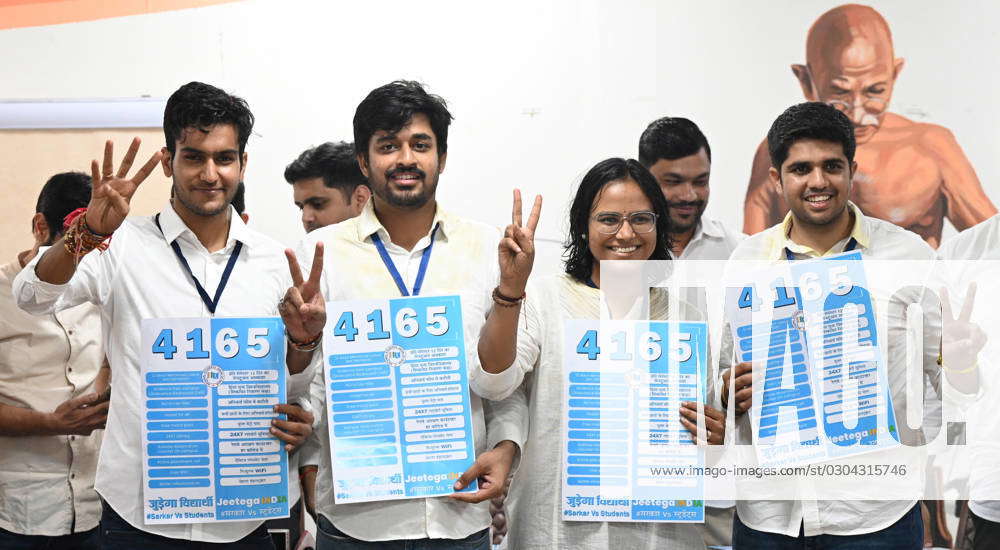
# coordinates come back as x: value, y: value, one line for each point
x: 851, y: 245
x: 424, y: 260
x: 590, y: 282
x: 209, y: 303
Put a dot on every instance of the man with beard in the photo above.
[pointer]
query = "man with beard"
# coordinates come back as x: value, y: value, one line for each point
x: 909, y: 173
x: 159, y: 267
x: 403, y: 244
x: 676, y: 152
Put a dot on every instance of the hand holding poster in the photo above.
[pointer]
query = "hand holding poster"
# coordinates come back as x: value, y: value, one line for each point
x: 397, y: 396
x: 627, y: 457
x: 209, y: 387
x: 810, y: 328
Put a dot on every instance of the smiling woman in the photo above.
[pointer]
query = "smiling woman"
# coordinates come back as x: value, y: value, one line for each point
x: 615, y: 190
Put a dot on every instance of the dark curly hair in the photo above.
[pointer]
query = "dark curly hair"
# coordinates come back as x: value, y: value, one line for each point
x: 579, y: 260
x: 390, y: 107
x: 199, y: 105
x: 810, y: 120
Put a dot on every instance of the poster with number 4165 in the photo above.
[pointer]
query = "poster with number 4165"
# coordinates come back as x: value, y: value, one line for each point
x: 397, y: 398
x: 209, y: 386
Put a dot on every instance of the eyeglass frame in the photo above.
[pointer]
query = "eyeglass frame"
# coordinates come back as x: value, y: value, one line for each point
x: 623, y: 218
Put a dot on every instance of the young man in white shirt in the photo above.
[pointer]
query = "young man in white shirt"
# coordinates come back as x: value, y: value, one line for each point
x: 159, y: 267
x: 812, y: 154
x: 677, y: 153
x: 327, y: 184
x: 401, y: 137
x: 52, y: 400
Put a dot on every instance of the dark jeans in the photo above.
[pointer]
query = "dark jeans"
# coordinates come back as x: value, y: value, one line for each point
x: 118, y: 534
x: 87, y: 540
x: 329, y: 537
x: 986, y: 534
x: 905, y: 534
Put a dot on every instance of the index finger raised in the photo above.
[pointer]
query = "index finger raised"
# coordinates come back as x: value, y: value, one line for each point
x: 293, y: 267
x: 147, y: 168
x: 946, y: 312
x: 515, y: 215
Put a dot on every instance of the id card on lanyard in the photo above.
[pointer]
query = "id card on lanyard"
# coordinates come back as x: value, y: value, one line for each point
x: 397, y: 393
x: 209, y: 386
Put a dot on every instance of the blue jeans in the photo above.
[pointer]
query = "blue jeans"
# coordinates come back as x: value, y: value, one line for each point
x: 905, y: 534
x: 329, y: 537
x: 86, y: 540
x: 118, y: 534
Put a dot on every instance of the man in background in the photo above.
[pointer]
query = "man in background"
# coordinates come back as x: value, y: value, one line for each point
x: 912, y: 174
x: 677, y: 153
x: 52, y: 399
x: 328, y: 185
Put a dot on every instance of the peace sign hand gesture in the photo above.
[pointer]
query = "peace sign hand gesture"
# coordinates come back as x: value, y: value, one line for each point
x: 961, y: 339
x: 516, y: 253
x: 111, y: 193
x: 303, y: 309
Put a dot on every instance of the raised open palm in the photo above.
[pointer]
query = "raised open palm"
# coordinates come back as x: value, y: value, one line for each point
x: 112, y: 192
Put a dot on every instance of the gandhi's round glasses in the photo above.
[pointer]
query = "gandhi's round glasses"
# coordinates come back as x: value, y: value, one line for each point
x: 610, y: 222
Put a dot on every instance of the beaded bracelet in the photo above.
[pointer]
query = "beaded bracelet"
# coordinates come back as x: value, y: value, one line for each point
x: 79, y: 239
x: 506, y: 301
x: 304, y: 346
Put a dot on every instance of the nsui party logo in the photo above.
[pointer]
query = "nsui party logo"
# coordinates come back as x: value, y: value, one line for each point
x: 394, y: 355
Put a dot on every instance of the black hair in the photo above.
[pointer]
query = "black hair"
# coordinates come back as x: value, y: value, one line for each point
x: 391, y: 107
x: 239, y: 198
x: 810, y: 120
x: 579, y: 260
x: 671, y: 138
x: 334, y: 162
x: 62, y: 194
x: 199, y: 105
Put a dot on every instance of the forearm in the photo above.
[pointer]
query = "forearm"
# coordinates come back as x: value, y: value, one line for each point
x: 20, y: 422
x: 56, y: 265
x: 298, y: 361
x: 498, y: 339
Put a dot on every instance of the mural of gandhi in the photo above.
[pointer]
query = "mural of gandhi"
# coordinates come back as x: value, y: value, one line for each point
x: 913, y: 174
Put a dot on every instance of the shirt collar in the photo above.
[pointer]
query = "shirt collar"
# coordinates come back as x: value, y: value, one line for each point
x: 368, y: 223
x: 860, y: 232
x: 173, y: 227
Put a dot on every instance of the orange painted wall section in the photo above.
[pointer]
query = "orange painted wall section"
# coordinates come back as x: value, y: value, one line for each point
x: 34, y: 13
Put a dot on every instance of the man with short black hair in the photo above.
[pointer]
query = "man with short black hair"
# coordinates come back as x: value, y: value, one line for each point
x: 52, y: 399
x: 811, y: 146
x: 677, y: 153
x: 159, y: 268
x: 328, y: 185
x: 401, y: 137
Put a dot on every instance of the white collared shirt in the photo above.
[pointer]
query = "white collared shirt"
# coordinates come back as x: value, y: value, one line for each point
x: 463, y: 261
x: 47, y: 482
x: 137, y: 278
x: 712, y: 240
x: 877, y: 240
x: 536, y: 493
x: 982, y: 424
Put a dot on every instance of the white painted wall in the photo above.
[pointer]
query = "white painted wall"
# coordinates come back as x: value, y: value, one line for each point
x: 593, y: 73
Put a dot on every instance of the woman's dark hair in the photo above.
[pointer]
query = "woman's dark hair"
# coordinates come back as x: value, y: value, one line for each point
x: 579, y: 260
x: 62, y: 194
